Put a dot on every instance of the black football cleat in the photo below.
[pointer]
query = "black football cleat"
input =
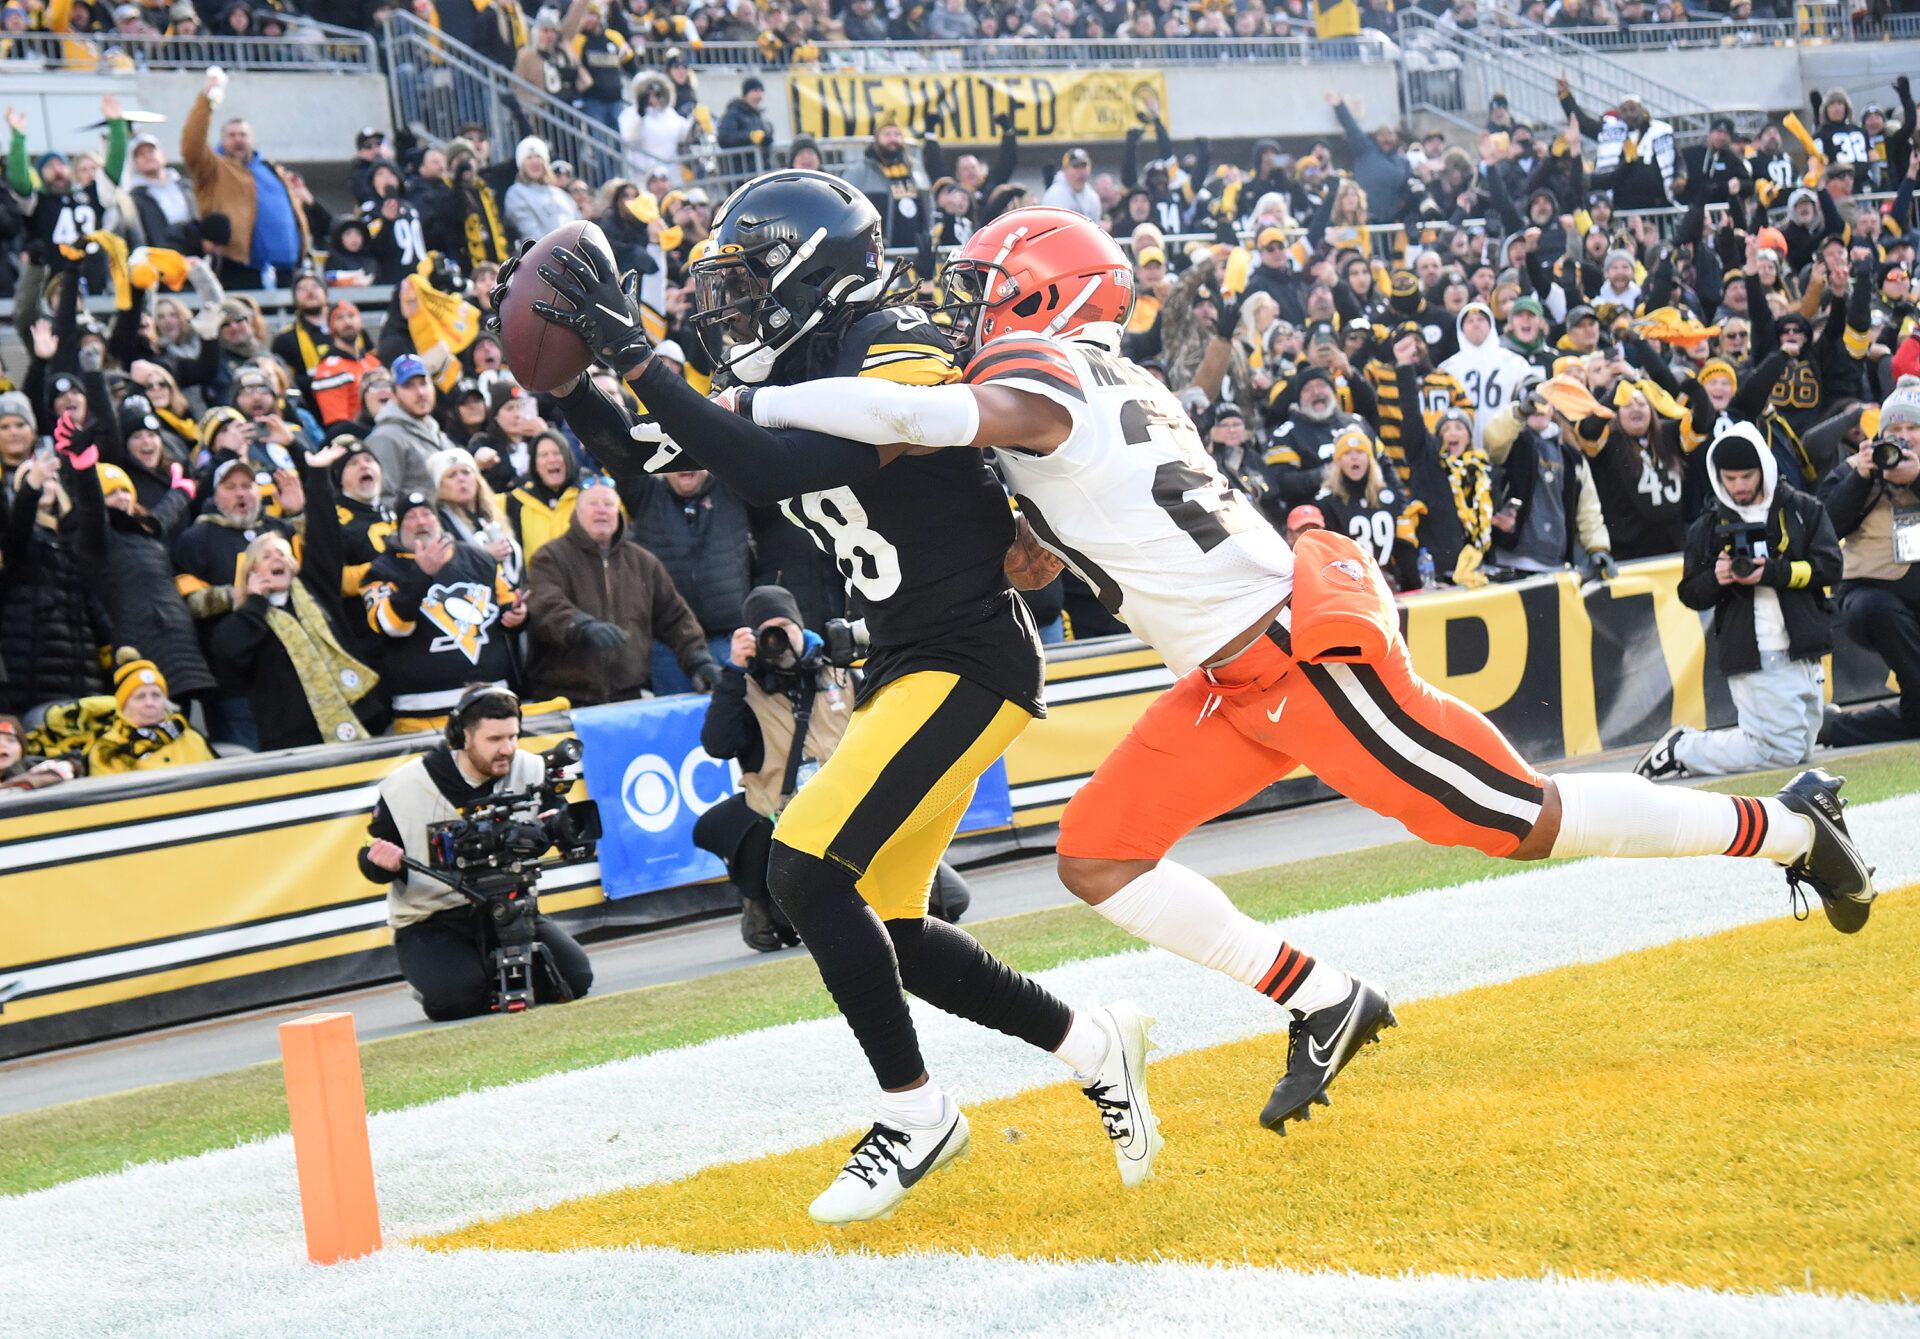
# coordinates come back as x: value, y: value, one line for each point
x: 1832, y: 867
x: 1319, y: 1046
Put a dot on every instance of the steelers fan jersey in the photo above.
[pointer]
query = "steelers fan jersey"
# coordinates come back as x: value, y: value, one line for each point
x: 922, y: 542
x: 1134, y: 504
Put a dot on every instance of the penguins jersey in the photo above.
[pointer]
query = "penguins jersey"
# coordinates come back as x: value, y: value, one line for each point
x: 1134, y: 504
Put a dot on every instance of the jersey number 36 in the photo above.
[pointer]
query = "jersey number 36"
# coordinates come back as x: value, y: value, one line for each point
x: 838, y: 524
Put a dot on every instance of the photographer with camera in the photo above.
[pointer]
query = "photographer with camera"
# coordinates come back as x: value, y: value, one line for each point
x: 783, y: 702
x: 1762, y: 560
x: 1873, y: 497
x: 444, y: 940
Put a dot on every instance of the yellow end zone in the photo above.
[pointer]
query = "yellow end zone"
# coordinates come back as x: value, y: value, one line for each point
x: 1737, y: 1112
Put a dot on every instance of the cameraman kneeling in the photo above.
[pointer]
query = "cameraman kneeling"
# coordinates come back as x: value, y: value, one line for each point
x: 1874, y: 499
x: 441, y: 937
x: 779, y: 675
x: 1762, y: 561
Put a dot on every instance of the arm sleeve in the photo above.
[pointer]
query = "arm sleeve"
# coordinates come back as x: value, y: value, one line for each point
x: 1846, y: 497
x: 1006, y: 159
x: 759, y: 465
x: 866, y: 409
x: 19, y: 168
x: 116, y: 151
x: 1130, y: 159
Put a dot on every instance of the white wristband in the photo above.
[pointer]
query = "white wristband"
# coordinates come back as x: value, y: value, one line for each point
x: 867, y: 409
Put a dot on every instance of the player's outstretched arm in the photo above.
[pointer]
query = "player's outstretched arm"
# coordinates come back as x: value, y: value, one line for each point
x: 885, y: 413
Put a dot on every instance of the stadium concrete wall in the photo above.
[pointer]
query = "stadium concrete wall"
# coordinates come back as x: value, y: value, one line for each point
x: 135, y: 902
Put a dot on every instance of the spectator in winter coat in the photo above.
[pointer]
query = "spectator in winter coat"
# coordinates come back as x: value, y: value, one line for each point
x: 284, y: 638
x: 405, y: 433
x: 127, y: 545
x: 137, y: 729
x: 1379, y: 165
x: 540, y: 507
x: 163, y: 199
x: 535, y: 205
x: 744, y: 125
x: 701, y: 532
x: 888, y: 175
x: 52, y: 622
x: 651, y: 130
x: 472, y: 512
x: 1492, y: 375
x: 602, y: 604
x: 269, y: 230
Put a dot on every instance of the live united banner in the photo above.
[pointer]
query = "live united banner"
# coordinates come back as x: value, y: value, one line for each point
x: 1053, y: 105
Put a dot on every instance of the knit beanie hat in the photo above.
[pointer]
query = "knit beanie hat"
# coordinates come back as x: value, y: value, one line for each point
x: 133, y: 673
x: 441, y: 461
x: 765, y: 602
x: 15, y: 405
x: 113, y: 480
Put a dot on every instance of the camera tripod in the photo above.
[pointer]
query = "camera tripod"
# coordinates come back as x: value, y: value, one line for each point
x: 516, y: 959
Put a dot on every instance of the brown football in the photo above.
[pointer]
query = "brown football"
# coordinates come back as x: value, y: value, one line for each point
x: 541, y: 355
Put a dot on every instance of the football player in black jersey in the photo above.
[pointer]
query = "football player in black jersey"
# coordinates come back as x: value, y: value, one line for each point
x: 791, y: 289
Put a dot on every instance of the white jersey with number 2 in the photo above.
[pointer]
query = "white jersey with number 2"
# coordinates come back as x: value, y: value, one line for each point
x: 1132, y: 502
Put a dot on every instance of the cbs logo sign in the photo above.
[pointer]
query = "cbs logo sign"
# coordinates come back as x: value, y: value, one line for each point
x: 653, y: 790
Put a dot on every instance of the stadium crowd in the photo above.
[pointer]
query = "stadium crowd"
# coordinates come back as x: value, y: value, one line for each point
x: 591, y: 51
x: 1478, y: 359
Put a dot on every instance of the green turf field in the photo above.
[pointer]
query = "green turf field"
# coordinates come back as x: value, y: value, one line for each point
x: 56, y: 1144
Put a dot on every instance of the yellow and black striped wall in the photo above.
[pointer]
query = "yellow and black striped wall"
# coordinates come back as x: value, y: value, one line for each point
x: 138, y: 901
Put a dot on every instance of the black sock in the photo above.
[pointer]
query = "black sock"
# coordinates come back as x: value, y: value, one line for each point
x: 948, y: 969
x: 852, y: 949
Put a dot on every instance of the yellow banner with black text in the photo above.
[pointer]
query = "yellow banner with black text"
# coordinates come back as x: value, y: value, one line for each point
x: 1057, y: 106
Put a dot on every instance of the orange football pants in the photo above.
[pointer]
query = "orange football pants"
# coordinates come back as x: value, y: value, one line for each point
x: 1376, y: 733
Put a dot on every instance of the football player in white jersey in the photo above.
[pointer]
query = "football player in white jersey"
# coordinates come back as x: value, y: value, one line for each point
x: 1286, y: 657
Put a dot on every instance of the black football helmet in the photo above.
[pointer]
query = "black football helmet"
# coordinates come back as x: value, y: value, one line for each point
x: 787, y: 251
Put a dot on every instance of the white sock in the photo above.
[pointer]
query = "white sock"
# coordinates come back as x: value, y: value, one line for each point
x: 922, y: 1106
x: 1085, y: 1046
x: 1184, y: 912
x: 1604, y: 813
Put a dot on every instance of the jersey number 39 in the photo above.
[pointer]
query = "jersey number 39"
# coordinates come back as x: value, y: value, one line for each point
x: 838, y: 524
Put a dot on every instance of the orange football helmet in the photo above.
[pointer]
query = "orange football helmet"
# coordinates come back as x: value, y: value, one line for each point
x: 1038, y: 271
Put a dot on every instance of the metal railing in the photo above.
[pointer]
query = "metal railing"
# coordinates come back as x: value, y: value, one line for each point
x: 1030, y: 53
x: 1453, y: 72
x: 1683, y: 36
x: 437, y: 85
x: 304, y: 46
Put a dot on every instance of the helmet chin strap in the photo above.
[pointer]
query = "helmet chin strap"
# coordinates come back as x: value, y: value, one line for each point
x: 754, y: 364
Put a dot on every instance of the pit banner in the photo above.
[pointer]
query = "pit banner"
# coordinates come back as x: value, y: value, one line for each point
x: 1057, y: 106
x: 644, y: 764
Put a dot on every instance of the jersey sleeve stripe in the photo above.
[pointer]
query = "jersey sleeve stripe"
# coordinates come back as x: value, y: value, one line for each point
x: 1037, y: 376
x: 999, y: 356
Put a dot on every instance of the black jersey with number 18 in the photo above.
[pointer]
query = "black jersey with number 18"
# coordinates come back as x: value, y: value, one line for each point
x: 922, y: 543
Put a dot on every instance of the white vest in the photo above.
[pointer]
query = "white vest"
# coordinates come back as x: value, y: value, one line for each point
x: 415, y: 803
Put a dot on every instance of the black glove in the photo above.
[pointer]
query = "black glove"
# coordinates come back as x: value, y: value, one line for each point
x: 1601, y: 567
x: 1813, y: 96
x: 605, y: 313
x: 933, y: 122
x: 705, y: 676
x: 1135, y: 134
x: 1004, y: 123
x: 1227, y: 317
x: 1904, y: 87
x: 598, y: 635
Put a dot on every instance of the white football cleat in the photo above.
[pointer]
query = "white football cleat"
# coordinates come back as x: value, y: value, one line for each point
x: 1119, y: 1090
x: 889, y: 1161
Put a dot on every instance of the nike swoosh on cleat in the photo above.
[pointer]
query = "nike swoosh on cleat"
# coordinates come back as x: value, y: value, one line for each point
x: 1320, y: 1057
x: 910, y: 1176
x: 1274, y: 715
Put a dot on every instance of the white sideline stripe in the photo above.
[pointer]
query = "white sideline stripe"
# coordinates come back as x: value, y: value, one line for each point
x: 171, y: 831
x: 648, y: 1290
x: 1047, y: 792
x: 200, y: 1243
x: 1396, y: 739
x: 220, y: 943
x: 244, y: 939
x: 1105, y: 685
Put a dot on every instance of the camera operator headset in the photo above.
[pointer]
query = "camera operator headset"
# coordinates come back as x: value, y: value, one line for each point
x: 1873, y: 497
x: 782, y: 705
x: 439, y: 935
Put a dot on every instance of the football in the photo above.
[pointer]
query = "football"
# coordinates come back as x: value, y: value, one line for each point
x: 541, y: 355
